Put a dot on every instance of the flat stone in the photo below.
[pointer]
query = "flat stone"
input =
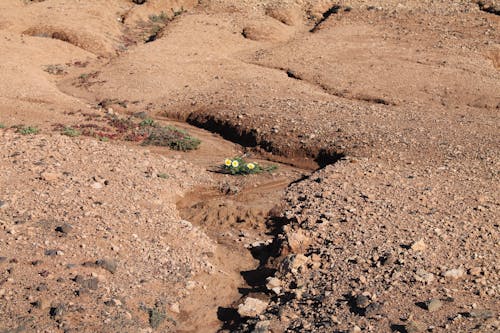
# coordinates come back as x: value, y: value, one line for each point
x: 65, y: 228
x: 91, y: 284
x: 298, y: 241
x: 96, y: 185
x: 108, y: 264
x: 362, y: 301
x: 51, y: 252
x: 252, y: 307
x: 41, y: 287
x: 57, y: 311
x: 423, y: 276
x: 481, y: 313
x: 175, y: 308
x: 414, y: 326
x: 388, y: 259
x: 272, y: 282
x: 373, y: 309
x: 42, y: 304
x: 50, y: 176
x: 262, y: 327
x: 419, y: 246
x: 293, y: 262
x: 454, y: 273
x: 433, y: 304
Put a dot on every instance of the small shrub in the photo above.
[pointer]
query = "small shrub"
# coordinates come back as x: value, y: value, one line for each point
x: 148, y: 122
x: 55, y: 69
x: 121, y: 125
x: 71, y: 132
x: 170, y: 136
x: 2, y: 126
x: 238, y: 166
x: 158, y: 18
x: 27, y: 130
x: 156, y: 317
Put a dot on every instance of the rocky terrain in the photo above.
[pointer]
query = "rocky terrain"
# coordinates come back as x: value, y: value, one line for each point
x: 379, y: 117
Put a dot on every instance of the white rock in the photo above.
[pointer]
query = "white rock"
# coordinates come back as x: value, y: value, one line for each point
x: 96, y: 185
x: 175, y: 308
x: 419, y: 246
x: 252, y: 307
x: 272, y: 282
x: 455, y: 273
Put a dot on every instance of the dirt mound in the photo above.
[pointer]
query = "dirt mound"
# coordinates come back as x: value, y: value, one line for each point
x: 67, y: 214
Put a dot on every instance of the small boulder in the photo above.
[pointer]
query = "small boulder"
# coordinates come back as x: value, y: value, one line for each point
x: 433, y: 304
x: 108, y: 264
x: 252, y: 307
x: 455, y: 273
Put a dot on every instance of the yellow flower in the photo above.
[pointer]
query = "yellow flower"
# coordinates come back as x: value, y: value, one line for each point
x: 250, y: 166
x: 235, y: 164
x: 227, y: 162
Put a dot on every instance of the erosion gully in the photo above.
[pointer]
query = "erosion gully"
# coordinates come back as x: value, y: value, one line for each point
x: 240, y: 214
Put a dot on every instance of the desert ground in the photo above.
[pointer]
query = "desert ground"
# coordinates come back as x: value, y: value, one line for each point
x: 374, y: 125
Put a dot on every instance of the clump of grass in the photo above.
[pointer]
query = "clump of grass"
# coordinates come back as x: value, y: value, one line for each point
x: 27, y: 130
x: 2, y: 126
x: 238, y: 166
x: 70, y: 131
x: 170, y: 136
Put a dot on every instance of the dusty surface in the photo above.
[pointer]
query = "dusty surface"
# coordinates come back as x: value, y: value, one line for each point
x: 396, y: 102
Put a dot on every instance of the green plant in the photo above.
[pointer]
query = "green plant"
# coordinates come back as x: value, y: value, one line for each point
x: 69, y: 131
x: 2, y: 126
x: 27, y: 130
x: 148, y: 122
x: 238, y: 166
x: 158, y: 18
x: 163, y: 176
x: 156, y: 314
x: 156, y: 317
x: 170, y: 136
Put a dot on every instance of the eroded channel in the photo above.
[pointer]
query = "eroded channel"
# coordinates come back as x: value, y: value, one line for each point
x: 240, y: 213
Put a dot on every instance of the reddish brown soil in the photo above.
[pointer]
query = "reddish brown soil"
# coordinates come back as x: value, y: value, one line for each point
x: 381, y: 115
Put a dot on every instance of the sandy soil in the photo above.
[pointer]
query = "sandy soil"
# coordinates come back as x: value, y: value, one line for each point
x: 381, y: 116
